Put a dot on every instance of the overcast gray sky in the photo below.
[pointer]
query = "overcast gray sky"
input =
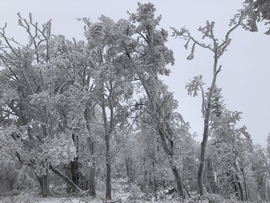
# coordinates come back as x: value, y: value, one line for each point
x: 245, y: 74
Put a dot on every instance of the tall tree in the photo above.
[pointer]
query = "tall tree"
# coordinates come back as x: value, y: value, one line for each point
x: 73, y: 80
x: 20, y: 76
x: 113, y: 87
x: 148, y: 56
x: 33, y: 100
x: 217, y: 50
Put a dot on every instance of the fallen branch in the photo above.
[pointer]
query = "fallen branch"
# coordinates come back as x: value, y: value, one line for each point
x: 66, y: 179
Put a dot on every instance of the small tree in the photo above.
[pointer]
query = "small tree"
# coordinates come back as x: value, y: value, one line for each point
x: 260, y: 166
x: 230, y: 148
x: 113, y: 87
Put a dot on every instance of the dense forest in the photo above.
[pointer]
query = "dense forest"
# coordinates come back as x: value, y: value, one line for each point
x: 93, y: 118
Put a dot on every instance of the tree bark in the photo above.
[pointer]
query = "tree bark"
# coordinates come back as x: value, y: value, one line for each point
x: 169, y: 150
x: 239, y: 189
x: 74, y: 167
x: 92, y: 171
x: 201, y: 167
x: 91, y: 182
x: 108, y: 168
x: 127, y: 163
x: 44, y: 184
x: 179, y: 183
x: 245, y: 185
x: 108, y: 126
x: 88, y: 113
x: 208, y: 108
x: 211, y: 185
x: 154, y: 180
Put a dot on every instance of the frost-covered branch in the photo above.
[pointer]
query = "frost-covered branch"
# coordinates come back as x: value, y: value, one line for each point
x: 208, y: 32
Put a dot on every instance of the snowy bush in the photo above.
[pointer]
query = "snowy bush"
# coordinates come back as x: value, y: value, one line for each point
x: 213, y: 198
x: 135, y: 192
x: 23, y: 197
x: 14, y: 178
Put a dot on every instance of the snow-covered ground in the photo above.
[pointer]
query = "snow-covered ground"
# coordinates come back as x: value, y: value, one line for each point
x: 63, y: 200
x: 71, y: 200
x: 122, y: 192
x: 27, y: 199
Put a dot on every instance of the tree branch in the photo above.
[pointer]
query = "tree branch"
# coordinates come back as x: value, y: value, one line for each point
x: 66, y: 179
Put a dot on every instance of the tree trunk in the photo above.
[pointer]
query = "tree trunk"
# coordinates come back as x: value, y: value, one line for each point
x: 208, y: 108
x: 245, y: 185
x: 108, y: 126
x: 130, y: 168
x: 169, y: 150
x: 211, y: 185
x: 108, y: 168
x: 239, y: 189
x: 74, y: 167
x: 88, y: 113
x: 155, y: 181
x: 91, y: 179
x: 127, y: 163
x: 179, y: 184
x: 203, y: 148
x: 44, y: 184
x: 91, y: 182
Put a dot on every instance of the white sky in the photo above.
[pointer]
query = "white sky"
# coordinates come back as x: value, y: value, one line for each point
x: 245, y: 74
